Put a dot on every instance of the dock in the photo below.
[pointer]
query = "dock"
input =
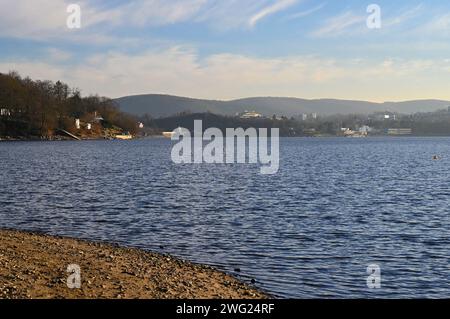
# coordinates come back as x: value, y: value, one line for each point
x: 69, y: 134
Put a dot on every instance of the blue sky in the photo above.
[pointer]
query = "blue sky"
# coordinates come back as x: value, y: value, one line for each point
x: 225, y: 49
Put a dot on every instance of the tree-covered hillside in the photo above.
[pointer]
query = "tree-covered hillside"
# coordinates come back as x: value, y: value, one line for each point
x: 31, y: 108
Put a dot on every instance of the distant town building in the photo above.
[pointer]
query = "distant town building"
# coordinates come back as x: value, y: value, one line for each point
x: 141, y: 125
x: 384, y: 116
x: 306, y: 116
x: 399, y: 131
x: 365, y: 129
x: 390, y: 116
x: 5, y: 112
x: 89, y: 126
x: 310, y: 131
x: 250, y: 115
x: 77, y: 124
x: 348, y: 132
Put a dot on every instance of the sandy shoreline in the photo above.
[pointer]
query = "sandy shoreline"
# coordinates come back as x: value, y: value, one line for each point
x: 35, y: 266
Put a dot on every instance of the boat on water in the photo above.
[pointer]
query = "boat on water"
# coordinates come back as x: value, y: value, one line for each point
x: 171, y: 134
x: 124, y: 136
x: 168, y: 134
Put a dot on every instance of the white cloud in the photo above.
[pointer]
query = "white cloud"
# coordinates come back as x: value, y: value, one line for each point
x: 279, y: 5
x: 339, y: 24
x: 349, y: 24
x: 403, y: 17
x: 181, y: 71
x: 307, y: 12
x: 157, y: 12
x: 58, y: 55
x: 46, y: 19
x: 439, y: 26
x: 230, y: 14
x: 21, y: 18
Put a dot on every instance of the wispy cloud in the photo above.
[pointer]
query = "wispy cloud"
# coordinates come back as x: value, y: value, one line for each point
x: 274, y: 8
x: 339, y: 24
x: 403, y: 17
x: 438, y: 26
x: 350, y: 23
x: 30, y: 19
x: 307, y: 12
x: 47, y: 18
x: 58, y: 55
x: 159, y: 12
x: 230, y: 14
x: 228, y: 76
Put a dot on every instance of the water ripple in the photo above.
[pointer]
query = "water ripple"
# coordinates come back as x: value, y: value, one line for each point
x: 336, y: 206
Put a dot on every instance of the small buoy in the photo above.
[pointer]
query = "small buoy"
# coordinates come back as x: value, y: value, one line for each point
x: 436, y: 158
x: 237, y: 269
x: 253, y: 281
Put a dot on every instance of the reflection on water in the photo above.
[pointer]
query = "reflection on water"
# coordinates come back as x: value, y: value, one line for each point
x: 336, y: 206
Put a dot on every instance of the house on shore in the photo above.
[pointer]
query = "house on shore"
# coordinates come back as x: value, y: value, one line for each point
x: 5, y: 112
x: 399, y: 131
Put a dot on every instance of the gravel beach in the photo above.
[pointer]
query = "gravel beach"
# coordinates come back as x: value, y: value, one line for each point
x: 34, y: 266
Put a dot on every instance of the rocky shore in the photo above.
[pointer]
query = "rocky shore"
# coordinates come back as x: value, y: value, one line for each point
x: 35, y: 266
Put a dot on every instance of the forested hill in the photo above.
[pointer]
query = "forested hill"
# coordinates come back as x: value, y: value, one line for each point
x: 166, y: 105
x: 40, y: 108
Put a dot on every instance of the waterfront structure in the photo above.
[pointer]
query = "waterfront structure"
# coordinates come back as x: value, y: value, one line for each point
x: 168, y: 134
x: 124, y: 136
x: 365, y: 129
x: 5, y: 112
x: 399, y: 131
x: 250, y: 115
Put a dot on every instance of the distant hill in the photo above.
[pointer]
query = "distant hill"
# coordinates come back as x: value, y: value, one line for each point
x: 166, y: 105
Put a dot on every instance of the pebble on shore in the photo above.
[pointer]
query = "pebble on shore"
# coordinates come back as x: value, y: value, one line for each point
x: 34, y: 266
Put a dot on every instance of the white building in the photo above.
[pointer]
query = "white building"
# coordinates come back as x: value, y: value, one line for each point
x: 5, y: 112
x: 250, y: 115
x: 98, y: 118
x: 365, y: 129
x: 390, y: 116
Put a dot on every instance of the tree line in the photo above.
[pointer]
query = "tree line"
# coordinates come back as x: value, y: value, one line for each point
x: 421, y: 124
x: 30, y: 108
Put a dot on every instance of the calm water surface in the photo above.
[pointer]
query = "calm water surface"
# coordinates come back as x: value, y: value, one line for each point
x: 336, y: 206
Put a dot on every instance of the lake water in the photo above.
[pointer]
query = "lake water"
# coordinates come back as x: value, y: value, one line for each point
x: 336, y: 206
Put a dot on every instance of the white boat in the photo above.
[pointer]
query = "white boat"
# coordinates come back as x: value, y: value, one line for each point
x: 168, y: 134
x: 124, y: 136
x: 171, y: 134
